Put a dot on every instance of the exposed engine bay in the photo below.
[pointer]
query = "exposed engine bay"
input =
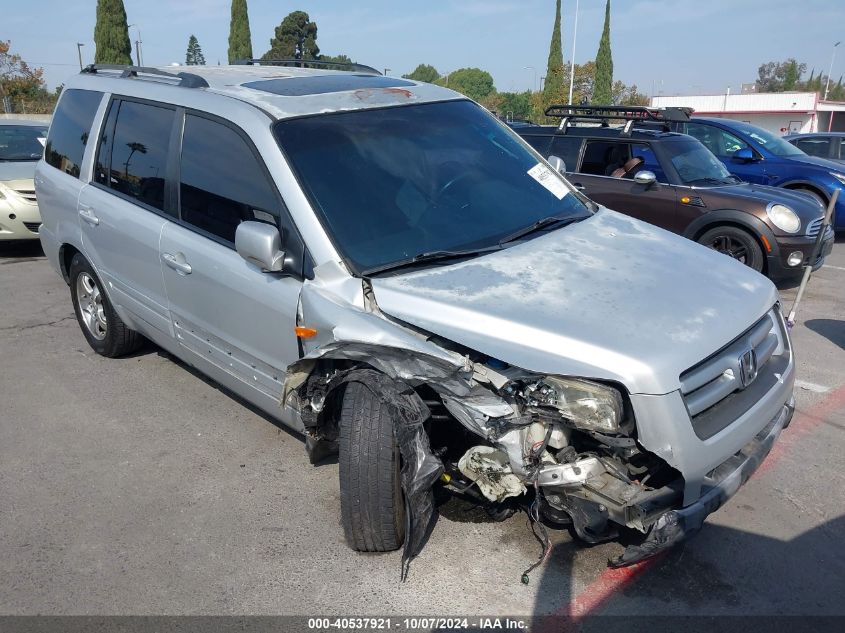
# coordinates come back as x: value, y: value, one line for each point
x: 564, y: 449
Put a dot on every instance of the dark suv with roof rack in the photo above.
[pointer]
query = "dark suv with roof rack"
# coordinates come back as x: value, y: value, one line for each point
x: 672, y: 180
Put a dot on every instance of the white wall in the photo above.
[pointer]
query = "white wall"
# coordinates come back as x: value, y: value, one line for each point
x: 775, y: 123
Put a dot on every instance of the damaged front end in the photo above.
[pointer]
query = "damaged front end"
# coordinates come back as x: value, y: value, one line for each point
x: 565, y: 447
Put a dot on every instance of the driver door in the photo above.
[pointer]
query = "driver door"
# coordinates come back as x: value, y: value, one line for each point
x: 656, y: 203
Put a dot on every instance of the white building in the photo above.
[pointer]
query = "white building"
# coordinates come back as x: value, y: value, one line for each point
x: 778, y: 112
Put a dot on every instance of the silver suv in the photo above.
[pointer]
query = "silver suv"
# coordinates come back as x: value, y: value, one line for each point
x: 385, y: 267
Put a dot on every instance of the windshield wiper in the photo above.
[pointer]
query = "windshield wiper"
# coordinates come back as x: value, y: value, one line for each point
x: 539, y: 225
x: 429, y: 257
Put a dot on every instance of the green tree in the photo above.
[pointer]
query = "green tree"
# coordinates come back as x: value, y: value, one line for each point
x: 781, y: 76
x: 340, y: 59
x: 603, y: 82
x: 423, y: 72
x: 23, y: 86
x: 473, y: 82
x: 791, y: 75
x: 553, y: 86
x: 240, y: 38
x: 111, y: 35
x: 194, y: 56
x: 296, y: 38
x: 515, y: 105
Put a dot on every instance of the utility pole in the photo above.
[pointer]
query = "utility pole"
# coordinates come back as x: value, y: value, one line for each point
x: 832, y: 57
x: 138, y: 43
x: 534, y: 83
x: 572, y: 65
x: 79, y: 46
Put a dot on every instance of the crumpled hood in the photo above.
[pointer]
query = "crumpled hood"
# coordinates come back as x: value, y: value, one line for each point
x: 610, y: 298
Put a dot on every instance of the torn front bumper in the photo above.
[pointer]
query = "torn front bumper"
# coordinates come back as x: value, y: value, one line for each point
x: 721, y: 484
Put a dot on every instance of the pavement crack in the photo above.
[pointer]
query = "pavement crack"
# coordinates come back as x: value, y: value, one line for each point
x: 31, y: 326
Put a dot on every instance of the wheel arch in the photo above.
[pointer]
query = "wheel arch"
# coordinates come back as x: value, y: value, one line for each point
x: 737, y: 219
x: 794, y: 185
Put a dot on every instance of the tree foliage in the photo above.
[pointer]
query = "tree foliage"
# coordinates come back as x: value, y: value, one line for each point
x: 111, y: 35
x: 473, y: 82
x: 296, y: 38
x: 22, y: 85
x: 194, y: 56
x: 782, y: 76
x: 340, y: 59
x: 240, y: 38
x: 423, y: 72
x: 603, y: 82
x: 553, y: 88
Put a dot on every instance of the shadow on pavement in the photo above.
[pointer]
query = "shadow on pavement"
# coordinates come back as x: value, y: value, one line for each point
x: 20, y: 249
x: 722, y: 573
x: 832, y: 329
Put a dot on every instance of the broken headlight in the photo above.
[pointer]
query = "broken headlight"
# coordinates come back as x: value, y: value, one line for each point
x: 588, y: 405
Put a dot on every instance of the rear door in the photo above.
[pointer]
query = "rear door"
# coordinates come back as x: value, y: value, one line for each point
x: 655, y: 204
x: 226, y: 311
x: 123, y: 211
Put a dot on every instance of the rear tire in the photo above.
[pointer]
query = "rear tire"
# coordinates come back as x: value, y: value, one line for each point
x: 735, y: 242
x: 371, y: 503
x: 105, y: 332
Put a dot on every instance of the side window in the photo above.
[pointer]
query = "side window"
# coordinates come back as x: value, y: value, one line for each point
x: 70, y: 129
x: 601, y: 158
x: 650, y: 162
x: 814, y: 146
x: 568, y: 148
x: 839, y: 151
x: 718, y: 141
x: 139, y: 148
x: 222, y: 183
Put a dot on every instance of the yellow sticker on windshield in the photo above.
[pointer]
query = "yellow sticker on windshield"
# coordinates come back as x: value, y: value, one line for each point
x: 549, y: 180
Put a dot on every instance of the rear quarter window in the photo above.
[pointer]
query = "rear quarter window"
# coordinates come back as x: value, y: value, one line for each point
x: 70, y: 130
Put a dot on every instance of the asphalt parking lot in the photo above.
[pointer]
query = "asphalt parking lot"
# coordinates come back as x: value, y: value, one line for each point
x: 135, y: 486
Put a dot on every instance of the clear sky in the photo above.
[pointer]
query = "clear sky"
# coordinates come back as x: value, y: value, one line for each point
x: 664, y: 46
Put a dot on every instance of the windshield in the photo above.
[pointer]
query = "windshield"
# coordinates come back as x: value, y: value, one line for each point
x: 775, y: 144
x: 696, y: 165
x: 396, y: 182
x: 21, y: 142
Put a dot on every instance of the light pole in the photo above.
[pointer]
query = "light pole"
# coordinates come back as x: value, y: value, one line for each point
x: 138, y: 43
x: 832, y: 57
x: 534, y: 84
x: 79, y: 46
x: 572, y: 65
x: 387, y: 70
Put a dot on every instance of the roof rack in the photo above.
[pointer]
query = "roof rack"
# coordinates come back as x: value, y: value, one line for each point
x: 630, y: 114
x: 186, y: 80
x: 309, y: 63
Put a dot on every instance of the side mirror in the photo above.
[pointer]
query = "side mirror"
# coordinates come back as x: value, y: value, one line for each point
x: 260, y: 244
x: 744, y: 155
x: 558, y: 164
x: 645, y: 177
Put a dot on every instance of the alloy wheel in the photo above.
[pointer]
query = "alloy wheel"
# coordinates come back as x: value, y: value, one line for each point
x: 89, y: 299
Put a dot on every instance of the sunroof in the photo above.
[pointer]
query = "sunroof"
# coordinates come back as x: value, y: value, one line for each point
x: 324, y: 84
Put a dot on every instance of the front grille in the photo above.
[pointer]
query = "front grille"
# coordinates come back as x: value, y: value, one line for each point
x: 713, y: 390
x: 26, y: 194
x: 32, y: 226
x: 814, y: 227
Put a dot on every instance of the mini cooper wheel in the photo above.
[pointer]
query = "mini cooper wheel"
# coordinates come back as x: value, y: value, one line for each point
x: 736, y: 243
x: 105, y: 332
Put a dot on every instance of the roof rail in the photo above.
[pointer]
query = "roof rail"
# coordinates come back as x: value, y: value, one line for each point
x: 630, y: 114
x: 186, y: 80
x: 309, y: 63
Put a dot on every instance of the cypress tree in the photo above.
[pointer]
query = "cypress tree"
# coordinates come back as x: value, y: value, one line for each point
x: 111, y: 35
x: 553, y: 87
x: 240, y: 38
x: 194, y: 56
x: 603, y: 80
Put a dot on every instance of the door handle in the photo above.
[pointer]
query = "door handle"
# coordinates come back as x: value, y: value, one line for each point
x: 173, y: 262
x: 87, y: 214
x: 578, y: 186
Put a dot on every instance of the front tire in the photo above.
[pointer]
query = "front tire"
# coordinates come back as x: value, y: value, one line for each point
x: 371, y: 503
x: 735, y: 242
x: 105, y: 332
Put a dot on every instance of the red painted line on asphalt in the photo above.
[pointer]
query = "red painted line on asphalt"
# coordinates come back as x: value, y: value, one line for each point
x: 611, y: 581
